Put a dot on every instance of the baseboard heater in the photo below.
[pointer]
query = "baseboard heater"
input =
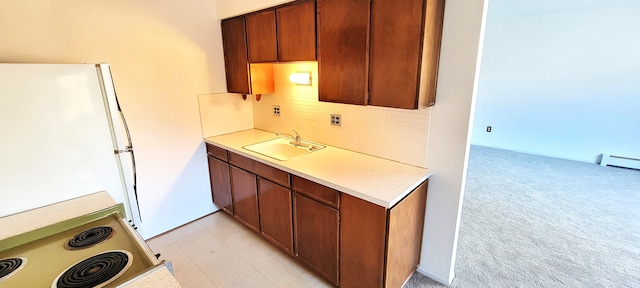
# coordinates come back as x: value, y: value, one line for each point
x: 619, y: 161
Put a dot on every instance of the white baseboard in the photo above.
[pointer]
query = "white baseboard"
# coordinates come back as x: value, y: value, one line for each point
x: 619, y: 161
x: 437, y: 278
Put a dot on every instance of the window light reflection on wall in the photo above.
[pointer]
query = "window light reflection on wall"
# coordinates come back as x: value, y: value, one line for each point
x: 301, y: 78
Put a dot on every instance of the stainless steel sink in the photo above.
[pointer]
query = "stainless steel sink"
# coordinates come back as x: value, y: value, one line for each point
x: 283, y: 148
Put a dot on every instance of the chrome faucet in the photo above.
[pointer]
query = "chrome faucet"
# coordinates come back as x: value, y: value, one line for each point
x: 297, y: 138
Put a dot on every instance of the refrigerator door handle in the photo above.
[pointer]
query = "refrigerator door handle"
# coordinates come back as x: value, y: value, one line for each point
x: 135, y: 182
x: 129, y: 149
x: 126, y: 149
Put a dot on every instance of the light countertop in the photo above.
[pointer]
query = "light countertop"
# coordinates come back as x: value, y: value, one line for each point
x: 377, y: 180
x: 44, y: 216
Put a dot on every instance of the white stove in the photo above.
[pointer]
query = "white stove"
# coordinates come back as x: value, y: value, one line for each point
x: 94, y: 250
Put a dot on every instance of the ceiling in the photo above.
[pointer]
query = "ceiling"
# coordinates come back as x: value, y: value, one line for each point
x: 522, y: 8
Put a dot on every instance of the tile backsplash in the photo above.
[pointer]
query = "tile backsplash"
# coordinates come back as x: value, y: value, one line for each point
x: 395, y: 134
x: 223, y: 113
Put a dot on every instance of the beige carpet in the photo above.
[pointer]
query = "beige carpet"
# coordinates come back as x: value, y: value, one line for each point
x: 534, y: 221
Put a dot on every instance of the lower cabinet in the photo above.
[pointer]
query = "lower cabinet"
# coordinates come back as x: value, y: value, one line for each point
x: 316, y: 236
x: 363, y: 229
x: 220, y: 179
x: 380, y: 247
x: 245, y: 197
x: 276, y: 217
x: 405, y: 223
x: 348, y: 241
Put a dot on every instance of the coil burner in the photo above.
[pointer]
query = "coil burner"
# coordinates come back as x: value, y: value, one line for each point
x: 89, y: 237
x: 95, y: 271
x: 9, y: 266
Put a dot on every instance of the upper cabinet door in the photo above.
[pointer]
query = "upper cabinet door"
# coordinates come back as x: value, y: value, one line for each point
x: 297, y: 32
x: 395, y: 48
x: 405, y: 36
x: 235, y: 55
x: 434, y: 17
x: 261, y: 37
x: 343, y: 28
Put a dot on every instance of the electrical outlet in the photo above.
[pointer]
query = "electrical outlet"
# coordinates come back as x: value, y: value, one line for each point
x: 336, y: 120
x: 488, y: 128
x: 276, y: 110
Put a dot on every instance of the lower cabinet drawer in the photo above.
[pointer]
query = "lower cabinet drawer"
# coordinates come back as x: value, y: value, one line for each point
x: 217, y: 152
x: 274, y: 174
x: 316, y: 191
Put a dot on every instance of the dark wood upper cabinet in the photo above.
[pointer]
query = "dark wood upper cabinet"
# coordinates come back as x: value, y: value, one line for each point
x: 343, y: 29
x: 242, y: 77
x: 434, y: 17
x: 404, y: 51
x: 379, y: 53
x: 395, y: 50
x: 261, y: 37
x: 236, y: 63
x: 297, y: 32
x: 282, y: 34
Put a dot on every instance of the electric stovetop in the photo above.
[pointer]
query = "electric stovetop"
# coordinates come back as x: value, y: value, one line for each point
x: 95, y: 250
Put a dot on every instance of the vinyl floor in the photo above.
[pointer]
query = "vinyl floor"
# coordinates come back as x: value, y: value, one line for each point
x: 218, y: 251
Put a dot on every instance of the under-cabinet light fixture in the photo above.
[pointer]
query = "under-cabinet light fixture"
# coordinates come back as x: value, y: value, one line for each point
x: 301, y: 78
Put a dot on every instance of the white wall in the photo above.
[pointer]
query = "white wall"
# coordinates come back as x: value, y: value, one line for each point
x: 450, y: 134
x: 162, y: 54
x: 561, y: 78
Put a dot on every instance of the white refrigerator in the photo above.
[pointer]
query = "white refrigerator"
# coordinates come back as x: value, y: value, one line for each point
x: 63, y: 135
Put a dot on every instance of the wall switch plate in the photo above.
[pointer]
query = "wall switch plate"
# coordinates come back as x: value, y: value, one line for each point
x: 336, y: 120
x: 276, y: 110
